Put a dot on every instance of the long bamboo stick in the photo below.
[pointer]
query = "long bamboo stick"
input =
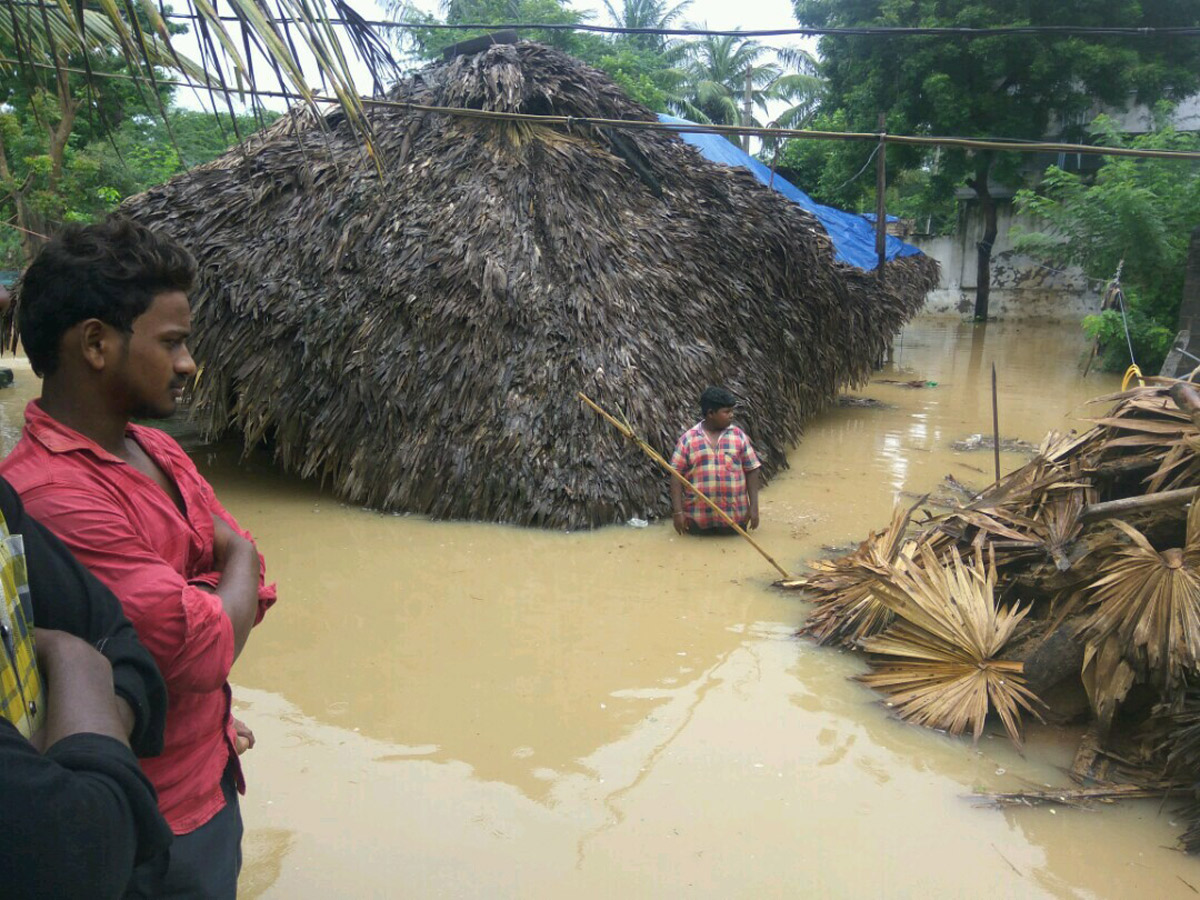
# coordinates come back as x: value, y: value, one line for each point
x: 658, y: 458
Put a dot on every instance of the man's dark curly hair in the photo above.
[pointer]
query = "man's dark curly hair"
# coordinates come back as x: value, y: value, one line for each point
x: 715, y: 398
x: 111, y: 271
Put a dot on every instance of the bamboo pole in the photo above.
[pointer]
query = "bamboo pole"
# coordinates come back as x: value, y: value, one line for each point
x: 1159, y: 500
x: 995, y: 424
x: 658, y: 458
x: 881, y: 202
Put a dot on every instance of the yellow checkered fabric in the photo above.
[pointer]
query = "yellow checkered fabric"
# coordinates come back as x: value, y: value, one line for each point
x: 20, y: 682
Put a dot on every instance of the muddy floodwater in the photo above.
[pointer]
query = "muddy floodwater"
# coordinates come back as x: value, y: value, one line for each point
x: 462, y: 710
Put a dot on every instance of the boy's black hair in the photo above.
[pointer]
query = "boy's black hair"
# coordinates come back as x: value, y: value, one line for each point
x: 110, y: 271
x: 715, y: 398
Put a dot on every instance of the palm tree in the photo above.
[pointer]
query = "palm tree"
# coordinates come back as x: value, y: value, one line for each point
x: 799, y: 85
x: 728, y: 77
x: 646, y: 14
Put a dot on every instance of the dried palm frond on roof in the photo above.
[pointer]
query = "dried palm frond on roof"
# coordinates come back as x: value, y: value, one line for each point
x: 1145, y: 619
x: 416, y: 338
x: 939, y: 663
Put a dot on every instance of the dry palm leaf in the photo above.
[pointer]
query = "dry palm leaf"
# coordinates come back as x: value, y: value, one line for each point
x: 1178, y: 736
x: 1107, y: 677
x: 939, y: 662
x: 849, y: 610
x: 1181, y: 750
x: 1060, y: 521
x: 1145, y: 423
x: 1145, y: 620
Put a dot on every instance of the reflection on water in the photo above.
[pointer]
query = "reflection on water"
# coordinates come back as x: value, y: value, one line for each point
x: 448, y: 709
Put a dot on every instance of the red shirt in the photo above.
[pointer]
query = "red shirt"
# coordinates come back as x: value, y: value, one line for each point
x: 717, y: 467
x: 125, y: 528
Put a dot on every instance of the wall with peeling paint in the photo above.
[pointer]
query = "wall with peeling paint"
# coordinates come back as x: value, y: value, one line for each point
x: 1022, y: 287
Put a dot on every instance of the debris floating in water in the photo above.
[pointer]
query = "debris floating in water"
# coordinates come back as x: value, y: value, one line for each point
x: 987, y: 442
x: 914, y: 383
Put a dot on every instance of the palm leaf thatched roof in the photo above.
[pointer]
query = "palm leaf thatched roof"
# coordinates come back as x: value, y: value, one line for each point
x: 414, y: 332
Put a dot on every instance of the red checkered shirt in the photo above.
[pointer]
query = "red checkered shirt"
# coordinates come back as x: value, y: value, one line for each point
x: 718, y: 468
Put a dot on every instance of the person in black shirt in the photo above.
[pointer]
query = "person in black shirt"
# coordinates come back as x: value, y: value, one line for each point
x: 77, y: 813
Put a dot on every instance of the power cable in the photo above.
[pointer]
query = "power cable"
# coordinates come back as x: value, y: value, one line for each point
x: 800, y: 31
x: 860, y: 171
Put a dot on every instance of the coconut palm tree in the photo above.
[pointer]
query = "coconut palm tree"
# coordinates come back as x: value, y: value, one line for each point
x: 728, y: 76
x: 646, y: 14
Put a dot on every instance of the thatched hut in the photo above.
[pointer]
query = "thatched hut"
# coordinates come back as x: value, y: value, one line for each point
x: 414, y: 332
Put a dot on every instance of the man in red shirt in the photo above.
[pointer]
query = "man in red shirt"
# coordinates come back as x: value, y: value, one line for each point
x: 718, y: 459
x: 104, y: 317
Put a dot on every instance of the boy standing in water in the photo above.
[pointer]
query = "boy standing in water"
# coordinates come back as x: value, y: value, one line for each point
x: 716, y: 456
x: 104, y: 316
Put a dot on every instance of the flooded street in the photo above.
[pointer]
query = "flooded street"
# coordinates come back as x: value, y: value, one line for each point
x: 464, y: 710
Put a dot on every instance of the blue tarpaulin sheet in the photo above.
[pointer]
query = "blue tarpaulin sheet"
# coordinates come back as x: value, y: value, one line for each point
x: 853, y: 235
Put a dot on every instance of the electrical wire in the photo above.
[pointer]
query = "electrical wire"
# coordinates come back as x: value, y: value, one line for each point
x: 799, y: 31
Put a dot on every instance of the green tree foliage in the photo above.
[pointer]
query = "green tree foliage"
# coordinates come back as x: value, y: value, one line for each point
x: 428, y: 43
x: 52, y: 110
x: 1138, y: 214
x: 647, y: 14
x: 98, y: 171
x: 1017, y: 86
x: 704, y: 80
x: 724, y: 74
x: 646, y: 66
x: 643, y: 65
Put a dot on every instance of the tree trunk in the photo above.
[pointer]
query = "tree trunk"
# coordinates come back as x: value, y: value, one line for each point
x: 33, y: 226
x: 59, y: 134
x: 987, y: 208
x: 747, y: 107
x: 26, y: 220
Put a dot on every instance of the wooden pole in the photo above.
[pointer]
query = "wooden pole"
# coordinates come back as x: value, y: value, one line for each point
x: 674, y: 473
x: 1178, y: 497
x: 748, y: 106
x: 995, y: 423
x: 880, y: 203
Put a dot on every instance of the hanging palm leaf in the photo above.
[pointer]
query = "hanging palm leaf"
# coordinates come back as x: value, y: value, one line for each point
x: 939, y: 663
x: 1145, y: 619
x: 40, y: 35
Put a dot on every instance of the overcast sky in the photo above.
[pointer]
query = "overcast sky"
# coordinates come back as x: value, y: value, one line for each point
x: 717, y: 14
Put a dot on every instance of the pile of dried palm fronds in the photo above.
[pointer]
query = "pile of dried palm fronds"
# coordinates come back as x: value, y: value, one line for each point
x: 413, y: 327
x: 939, y: 661
x: 1078, y: 572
